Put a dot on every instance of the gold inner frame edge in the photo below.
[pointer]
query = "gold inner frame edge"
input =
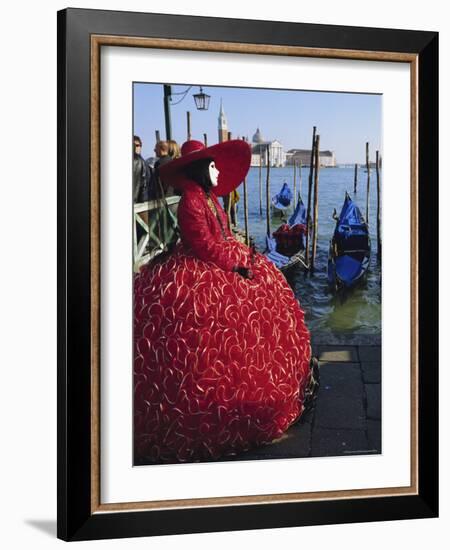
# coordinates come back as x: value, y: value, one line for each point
x: 97, y: 41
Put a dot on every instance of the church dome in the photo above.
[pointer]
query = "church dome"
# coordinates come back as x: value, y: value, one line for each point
x: 257, y: 137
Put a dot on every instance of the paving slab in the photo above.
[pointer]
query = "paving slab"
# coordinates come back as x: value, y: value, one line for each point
x: 346, y: 339
x: 373, y: 394
x: 370, y: 353
x: 374, y: 434
x: 338, y: 353
x: 371, y: 372
x: 327, y: 442
x: 340, y: 401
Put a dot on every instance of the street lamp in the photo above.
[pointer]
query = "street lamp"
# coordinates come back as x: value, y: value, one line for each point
x: 202, y: 100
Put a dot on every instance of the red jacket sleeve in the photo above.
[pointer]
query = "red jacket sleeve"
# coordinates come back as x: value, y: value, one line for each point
x: 197, y: 235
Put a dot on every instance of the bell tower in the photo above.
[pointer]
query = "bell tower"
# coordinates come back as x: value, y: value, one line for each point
x: 223, y: 126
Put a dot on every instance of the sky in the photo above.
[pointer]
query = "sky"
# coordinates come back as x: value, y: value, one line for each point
x: 345, y: 121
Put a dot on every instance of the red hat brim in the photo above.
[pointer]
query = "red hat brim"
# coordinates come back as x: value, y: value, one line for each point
x: 232, y: 159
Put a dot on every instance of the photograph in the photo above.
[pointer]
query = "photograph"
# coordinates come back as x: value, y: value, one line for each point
x: 257, y: 234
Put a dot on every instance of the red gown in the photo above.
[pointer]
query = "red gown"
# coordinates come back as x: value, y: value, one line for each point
x: 221, y: 362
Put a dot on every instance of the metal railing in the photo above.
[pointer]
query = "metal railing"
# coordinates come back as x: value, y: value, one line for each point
x: 154, y: 228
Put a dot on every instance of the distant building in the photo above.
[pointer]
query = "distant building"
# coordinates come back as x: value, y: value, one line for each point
x: 257, y: 137
x: 326, y: 158
x: 223, y: 125
x: 260, y: 149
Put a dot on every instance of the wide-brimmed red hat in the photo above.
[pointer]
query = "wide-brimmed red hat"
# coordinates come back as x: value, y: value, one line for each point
x: 232, y: 159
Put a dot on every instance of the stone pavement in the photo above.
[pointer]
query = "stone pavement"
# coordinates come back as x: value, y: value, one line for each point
x: 346, y: 418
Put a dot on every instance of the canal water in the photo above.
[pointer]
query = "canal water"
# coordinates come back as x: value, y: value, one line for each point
x: 359, y: 312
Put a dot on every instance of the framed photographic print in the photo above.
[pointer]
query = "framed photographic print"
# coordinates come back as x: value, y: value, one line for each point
x: 247, y: 274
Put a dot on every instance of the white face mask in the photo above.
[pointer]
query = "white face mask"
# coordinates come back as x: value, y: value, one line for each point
x: 213, y: 173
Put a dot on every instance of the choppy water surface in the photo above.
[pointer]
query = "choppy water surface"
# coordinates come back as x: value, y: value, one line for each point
x: 359, y: 312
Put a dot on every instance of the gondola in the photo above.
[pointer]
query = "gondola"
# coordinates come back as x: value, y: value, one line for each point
x: 286, y: 248
x: 349, y: 253
x: 299, y: 214
x: 282, y: 200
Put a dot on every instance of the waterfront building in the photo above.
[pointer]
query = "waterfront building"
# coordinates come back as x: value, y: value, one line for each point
x: 259, y: 151
x: 326, y: 158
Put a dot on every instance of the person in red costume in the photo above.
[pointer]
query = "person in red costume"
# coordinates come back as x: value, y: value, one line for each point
x: 221, y: 350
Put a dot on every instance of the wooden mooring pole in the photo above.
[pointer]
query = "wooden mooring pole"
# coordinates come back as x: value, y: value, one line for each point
x: 300, y: 178
x: 355, y: 183
x: 295, y: 184
x: 268, y: 192
x: 316, y: 203
x: 368, y: 183
x: 260, y: 183
x: 205, y: 140
x: 378, y: 209
x: 228, y: 203
x: 188, y: 122
x: 310, y: 182
x: 157, y: 136
x: 247, y: 236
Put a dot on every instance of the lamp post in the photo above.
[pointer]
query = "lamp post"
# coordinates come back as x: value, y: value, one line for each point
x: 167, y: 96
x: 201, y: 102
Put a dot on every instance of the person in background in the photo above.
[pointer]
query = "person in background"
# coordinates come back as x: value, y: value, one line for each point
x: 174, y: 149
x: 233, y: 197
x: 162, y: 152
x: 141, y: 174
x: 165, y: 151
x: 174, y: 153
x: 141, y: 184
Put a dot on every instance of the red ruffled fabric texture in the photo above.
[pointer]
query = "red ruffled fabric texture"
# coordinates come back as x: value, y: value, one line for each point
x: 221, y: 363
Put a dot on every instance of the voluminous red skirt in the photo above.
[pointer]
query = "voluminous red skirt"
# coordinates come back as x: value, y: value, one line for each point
x: 220, y: 362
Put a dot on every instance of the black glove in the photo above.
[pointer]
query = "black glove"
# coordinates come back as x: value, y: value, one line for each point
x: 244, y: 272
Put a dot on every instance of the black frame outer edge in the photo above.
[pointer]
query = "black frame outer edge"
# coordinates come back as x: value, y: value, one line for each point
x: 124, y: 23
x: 250, y: 517
x: 75, y: 521
x: 61, y: 294
x: 74, y: 271
x: 428, y: 200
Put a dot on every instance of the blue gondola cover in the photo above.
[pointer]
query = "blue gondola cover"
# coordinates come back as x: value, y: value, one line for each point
x: 347, y: 269
x: 283, y: 199
x: 349, y: 248
x: 299, y: 214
